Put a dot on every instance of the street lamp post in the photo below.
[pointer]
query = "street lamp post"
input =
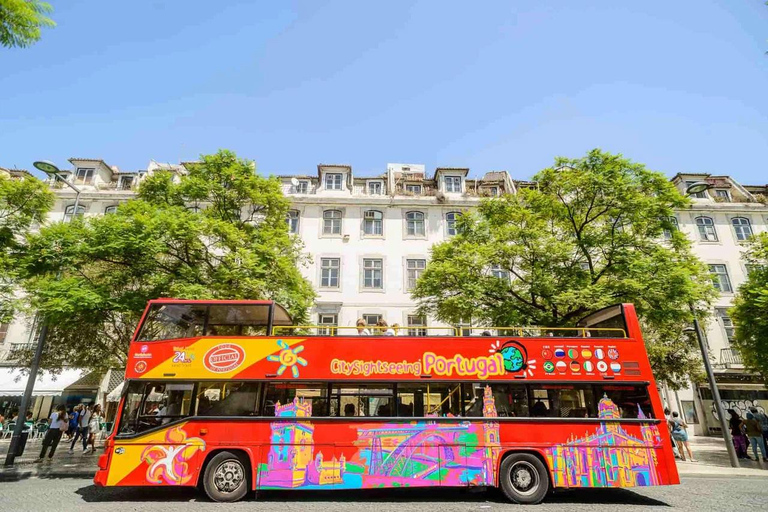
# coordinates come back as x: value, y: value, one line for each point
x: 51, y: 170
x: 696, y: 188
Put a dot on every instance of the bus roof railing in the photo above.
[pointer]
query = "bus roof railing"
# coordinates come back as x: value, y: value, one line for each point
x: 425, y: 330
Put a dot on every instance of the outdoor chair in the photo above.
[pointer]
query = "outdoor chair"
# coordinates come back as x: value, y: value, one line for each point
x: 8, y: 432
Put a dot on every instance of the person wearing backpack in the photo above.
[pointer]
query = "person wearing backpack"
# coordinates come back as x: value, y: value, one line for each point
x: 680, y: 436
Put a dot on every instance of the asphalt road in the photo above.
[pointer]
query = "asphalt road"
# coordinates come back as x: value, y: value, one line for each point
x: 695, y: 494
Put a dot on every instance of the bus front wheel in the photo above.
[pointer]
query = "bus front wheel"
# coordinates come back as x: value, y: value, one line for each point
x: 523, y: 478
x: 225, y: 478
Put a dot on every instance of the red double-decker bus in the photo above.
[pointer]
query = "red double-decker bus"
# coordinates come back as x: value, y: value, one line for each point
x: 226, y: 396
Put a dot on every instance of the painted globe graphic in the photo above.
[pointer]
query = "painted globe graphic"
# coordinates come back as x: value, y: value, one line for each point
x: 513, y: 358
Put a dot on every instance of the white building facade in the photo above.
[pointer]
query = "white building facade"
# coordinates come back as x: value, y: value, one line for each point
x: 369, y: 240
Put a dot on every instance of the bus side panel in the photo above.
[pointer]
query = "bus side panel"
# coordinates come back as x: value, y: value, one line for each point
x: 170, y: 456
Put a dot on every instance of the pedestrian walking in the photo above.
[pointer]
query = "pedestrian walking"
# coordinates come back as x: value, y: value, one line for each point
x: 73, y: 416
x: 680, y: 436
x: 94, y: 427
x: 59, y: 424
x: 762, y: 418
x: 736, y: 424
x: 668, y: 416
x: 83, y: 420
x: 755, y: 435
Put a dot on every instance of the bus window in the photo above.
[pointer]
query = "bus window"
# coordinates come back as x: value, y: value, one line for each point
x: 510, y: 400
x: 173, y: 321
x: 238, y: 320
x: 362, y: 400
x: 562, y: 401
x: 428, y: 399
x: 314, y: 393
x: 227, y: 398
x: 627, y: 399
x: 152, y: 404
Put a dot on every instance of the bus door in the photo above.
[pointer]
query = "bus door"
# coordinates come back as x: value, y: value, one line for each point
x: 154, y: 446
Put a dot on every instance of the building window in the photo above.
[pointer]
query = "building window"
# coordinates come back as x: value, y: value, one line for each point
x: 332, y: 222
x: 413, y: 189
x: 371, y: 319
x: 373, y: 273
x: 720, y: 278
x: 3, y: 332
x: 373, y: 223
x: 327, y: 319
x: 69, y: 210
x: 414, y: 224
x: 333, y: 181
x: 126, y: 183
x: 675, y: 227
x: 725, y: 320
x: 450, y: 223
x: 723, y: 194
x: 494, y: 191
x: 453, y: 184
x: 706, y: 227
x: 302, y: 187
x: 413, y: 271
x: 414, y: 322
x: 84, y: 176
x: 329, y: 272
x: 499, y: 273
x: 742, y: 228
x: 699, y: 195
x: 110, y: 209
x: 375, y: 188
x: 293, y: 221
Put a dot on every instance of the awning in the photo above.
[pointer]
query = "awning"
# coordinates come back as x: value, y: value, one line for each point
x: 13, y: 382
x: 114, y: 395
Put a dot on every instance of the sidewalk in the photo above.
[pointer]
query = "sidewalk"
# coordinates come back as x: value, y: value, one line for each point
x: 63, y: 464
x: 713, y: 459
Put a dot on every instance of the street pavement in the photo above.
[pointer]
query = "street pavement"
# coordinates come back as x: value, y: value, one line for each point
x: 697, y: 493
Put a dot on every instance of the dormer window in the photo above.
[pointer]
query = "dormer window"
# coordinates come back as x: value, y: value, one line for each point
x: 333, y: 180
x: 413, y: 189
x: 375, y: 188
x: 453, y: 184
x: 126, y: 182
x: 84, y: 176
x: 302, y: 187
x: 494, y: 191
x: 723, y: 194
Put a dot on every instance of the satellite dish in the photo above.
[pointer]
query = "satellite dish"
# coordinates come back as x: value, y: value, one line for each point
x: 294, y: 182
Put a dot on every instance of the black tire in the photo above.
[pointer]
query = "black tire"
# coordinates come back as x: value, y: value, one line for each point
x: 523, y: 478
x: 226, y: 477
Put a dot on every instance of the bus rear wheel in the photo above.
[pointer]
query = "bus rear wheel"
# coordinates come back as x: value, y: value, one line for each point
x: 225, y: 478
x: 523, y: 478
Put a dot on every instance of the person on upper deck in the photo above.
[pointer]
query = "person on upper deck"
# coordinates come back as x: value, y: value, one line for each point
x: 361, y: 328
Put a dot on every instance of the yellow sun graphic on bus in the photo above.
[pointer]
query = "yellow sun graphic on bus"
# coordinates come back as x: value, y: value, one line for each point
x: 288, y: 358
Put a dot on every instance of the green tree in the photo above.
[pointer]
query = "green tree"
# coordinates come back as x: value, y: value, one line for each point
x: 23, y: 201
x: 750, y: 310
x: 588, y: 235
x: 21, y: 21
x: 218, y: 232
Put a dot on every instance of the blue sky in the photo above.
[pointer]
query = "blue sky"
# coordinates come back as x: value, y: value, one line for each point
x: 681, y: 86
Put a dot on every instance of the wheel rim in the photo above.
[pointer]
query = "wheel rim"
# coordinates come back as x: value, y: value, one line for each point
x: 228, y: 476
x: 524, y: 478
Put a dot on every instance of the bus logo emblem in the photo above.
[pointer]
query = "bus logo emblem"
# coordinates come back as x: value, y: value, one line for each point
x: 224, y: 358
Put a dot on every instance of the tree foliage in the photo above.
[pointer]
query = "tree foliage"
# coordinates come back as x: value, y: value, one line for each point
x: 218, y: 232
x: 590, y: 234
x: 23, y: 201
x: 21, y: 21
x: 750, y: 310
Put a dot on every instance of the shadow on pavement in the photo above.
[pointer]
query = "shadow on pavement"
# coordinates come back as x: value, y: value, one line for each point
x: 92, y: 493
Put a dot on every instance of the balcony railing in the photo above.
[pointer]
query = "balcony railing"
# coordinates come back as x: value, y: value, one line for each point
x: 730, y: 357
